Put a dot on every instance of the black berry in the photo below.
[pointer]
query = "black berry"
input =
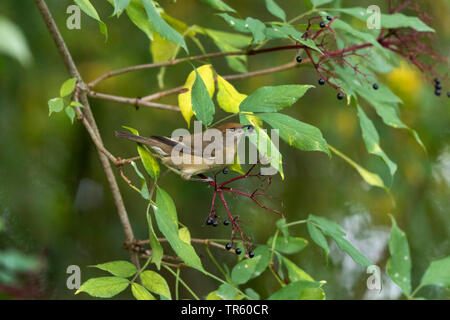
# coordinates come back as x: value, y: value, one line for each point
x: 438, y: 86
x: 340, y: 96
x: 238, y: 251
x: 375, y: 86
x: 448, y: 94
x: 215, y: 224
x: 251, y: 254
x: 228, y: 246
x: 437, y: 92
x: 209, y: 221
x: 321, y: 81
x: 322, y: 24
x: 329, y: 18
x: 299, y: 59
x: 226, y: 222
x: 437, y: 80
x: 225, y: 170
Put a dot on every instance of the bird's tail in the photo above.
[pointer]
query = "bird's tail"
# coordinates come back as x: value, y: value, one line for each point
x: 132, y: 137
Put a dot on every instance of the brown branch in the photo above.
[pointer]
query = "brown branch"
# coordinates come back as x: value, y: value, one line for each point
x: 89, y: 122
x: 133, y: 101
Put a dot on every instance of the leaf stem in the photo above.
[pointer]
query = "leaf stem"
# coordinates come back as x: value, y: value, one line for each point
x: 182, y: 282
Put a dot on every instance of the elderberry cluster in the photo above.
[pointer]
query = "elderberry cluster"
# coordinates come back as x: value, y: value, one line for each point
x: 438, y: 88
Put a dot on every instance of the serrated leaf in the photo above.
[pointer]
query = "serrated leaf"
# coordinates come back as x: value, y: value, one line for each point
x: 288, y: 245
x: 55, y: 105
x: 161, y: 26
x: 202, y: 104
x: 399, y: 264
x: 87, y: 7
x: 372, y: 140
x: 301, y: 135
x: 273, y: 99
x: 275, y: 9
x: 104, y: 287
x: 244, y: 270
x: 185, y: 99
x: 165, y: 212
x: 140, y: 293
x: 118, y: 268
x: 155, y: 283
x: 438, y: 273
x: 67, y: 87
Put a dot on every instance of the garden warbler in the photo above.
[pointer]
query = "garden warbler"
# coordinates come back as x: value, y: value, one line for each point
x: 198, y: 153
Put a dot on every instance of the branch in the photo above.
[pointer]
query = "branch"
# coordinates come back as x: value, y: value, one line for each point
x: 89, y: 122
x: 133, y: 101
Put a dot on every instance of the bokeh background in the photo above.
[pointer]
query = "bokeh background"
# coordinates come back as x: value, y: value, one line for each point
x: 56, y: 209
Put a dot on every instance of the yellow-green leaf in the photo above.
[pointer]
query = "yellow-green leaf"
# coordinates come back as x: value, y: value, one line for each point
x: 184, y: 235
x: 140, y: 293
x: 155, y: 283
x: 185, y: 99
x: 104, y: 287
x: 228, y: 97
x: 67, y: 87
x: 149, y: 162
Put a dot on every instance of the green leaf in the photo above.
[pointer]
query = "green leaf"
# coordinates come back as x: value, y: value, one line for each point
x: 252, y: 294
x: 14, y: 43
x: 275, y: 9
x: 149, y: 162
x: 263, y: 253
x: 389, y: 21
x: 202, y: 103
x: 70, y: 112
x: 438, y: 273
x: 219, y: 5
x: 235, y: 23
x: 286, y: 31
x: 318, y: 3
x: 118, y: 268
x: 244, y: 270
x: 104, y: 287
x: 318, y: 237
x: 301, y: 135
x: 67, y: 87
x: 157, y: 250
x: 257, y: 28
x: 161, y: 26
x: 138, y: 16
x: 16, y: 261
x: 288, y: 245
x: 294, y: 290
x: 119, y: 6
x: 281, y: 224
x: 226, y: 292
x: 155, y: 283
x: 371, y: 178
x: 140, y: 293
x: 372, y: 140
x: 213, y: 296
x: 89, y: 9
x: 55, y: 105
x: 399, y: 264
x: 184, y: 235
x: 273, y: 99
x: 228, y: 97
x: 76, y: 104
x: 334, y: 231
x: 294, y: 272
x: 144, y: 190
x: 165, y: 213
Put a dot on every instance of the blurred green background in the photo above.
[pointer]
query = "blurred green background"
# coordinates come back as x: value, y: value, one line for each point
x: 55, y: 205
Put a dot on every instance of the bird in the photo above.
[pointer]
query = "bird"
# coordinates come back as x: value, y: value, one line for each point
x: 195, y: 154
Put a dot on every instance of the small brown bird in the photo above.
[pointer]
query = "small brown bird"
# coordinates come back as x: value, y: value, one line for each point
x: 198, y: 153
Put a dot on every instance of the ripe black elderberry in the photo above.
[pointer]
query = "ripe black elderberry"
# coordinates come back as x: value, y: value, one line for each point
x: 437, y: 92
x: 209, y: 221
x: 321, y: 81
x: 226, y: 222
x: 238, y: 251
x: 251, y: 254
x: 299, y: 59
x: 329, y: 18
x: 448, y: 94
x: 437, y: 80
x: 228, y: 246
x: 322, y: 24
x: 375, y: 86
x: 215, y: 224
x: 225, y: 170
x: 340, y: 96
x: 438, y: 86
